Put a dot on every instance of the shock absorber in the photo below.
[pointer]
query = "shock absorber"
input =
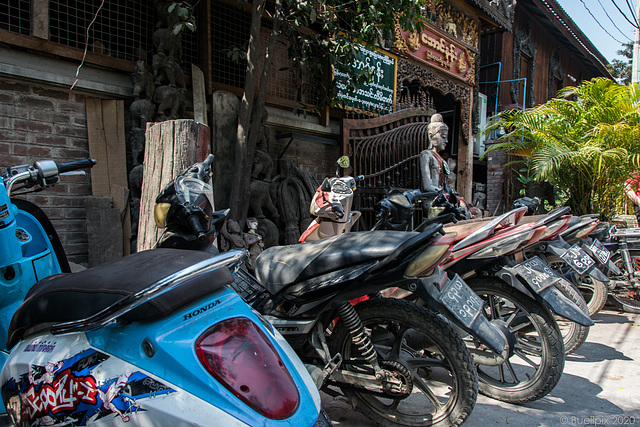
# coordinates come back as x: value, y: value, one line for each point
x: 359, y: 336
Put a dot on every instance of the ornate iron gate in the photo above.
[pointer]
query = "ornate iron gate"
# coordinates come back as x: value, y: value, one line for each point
x: 385, y: 149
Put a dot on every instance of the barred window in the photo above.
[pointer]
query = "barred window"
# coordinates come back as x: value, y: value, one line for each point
x: 15, y: 15
x: 230, y: 29
x: 122, y: 28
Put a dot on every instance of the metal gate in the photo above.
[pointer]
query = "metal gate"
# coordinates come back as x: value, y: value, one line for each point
x: 385, y: 149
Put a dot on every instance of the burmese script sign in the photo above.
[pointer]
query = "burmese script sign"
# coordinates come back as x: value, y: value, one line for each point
x: 380, y: 92
x: 435, y: 49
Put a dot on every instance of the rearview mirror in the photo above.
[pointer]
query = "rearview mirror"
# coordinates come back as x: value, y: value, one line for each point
x: 343, y: 162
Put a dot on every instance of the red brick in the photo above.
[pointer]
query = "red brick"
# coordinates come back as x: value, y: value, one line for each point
x: 11, y: 136
x: 31, y: 126
x: 32, y: 150
x: 52, y: 93
x: 33, y: 102
x: 74, y: 131
x: 69, y: 154
x: 51, y: 140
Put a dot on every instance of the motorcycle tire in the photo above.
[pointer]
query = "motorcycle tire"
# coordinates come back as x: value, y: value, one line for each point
x: 535, y: 354
x: 594, y: 292
x: 442, y: 372
x: 573, y: 334
x: 625, y: 298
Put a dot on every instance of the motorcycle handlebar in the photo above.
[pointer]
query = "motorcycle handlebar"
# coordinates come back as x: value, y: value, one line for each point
x: 75, y: 165
x: 194, y: 223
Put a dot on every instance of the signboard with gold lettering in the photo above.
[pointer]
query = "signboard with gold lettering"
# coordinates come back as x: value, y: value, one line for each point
x: 439, y: 51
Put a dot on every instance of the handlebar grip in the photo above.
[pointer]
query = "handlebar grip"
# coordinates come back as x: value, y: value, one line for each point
x: 75, y: 165
x: 194, y: 222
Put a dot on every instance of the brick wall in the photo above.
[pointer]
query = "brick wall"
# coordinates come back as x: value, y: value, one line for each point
x: 37, y: 123
x: 312, y: 156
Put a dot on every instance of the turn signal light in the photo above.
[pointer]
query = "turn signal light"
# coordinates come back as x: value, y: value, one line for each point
x: 241, y: 358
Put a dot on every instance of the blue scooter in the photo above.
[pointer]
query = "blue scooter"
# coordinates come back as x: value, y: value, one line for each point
x: 154, y: 338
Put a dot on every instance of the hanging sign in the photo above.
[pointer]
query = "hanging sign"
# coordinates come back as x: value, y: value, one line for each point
x: 380, y: 93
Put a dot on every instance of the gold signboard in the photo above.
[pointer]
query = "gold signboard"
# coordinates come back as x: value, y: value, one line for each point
x: 439, y: 51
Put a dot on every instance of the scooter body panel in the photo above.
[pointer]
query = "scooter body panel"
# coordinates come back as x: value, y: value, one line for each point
x: 189, y: 394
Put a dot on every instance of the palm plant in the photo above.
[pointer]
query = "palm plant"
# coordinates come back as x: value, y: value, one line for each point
x: 586, y: 142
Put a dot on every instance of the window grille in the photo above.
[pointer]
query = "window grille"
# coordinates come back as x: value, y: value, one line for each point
x: 122, y: 29
x: 230, y: 29
x: 15, y: 15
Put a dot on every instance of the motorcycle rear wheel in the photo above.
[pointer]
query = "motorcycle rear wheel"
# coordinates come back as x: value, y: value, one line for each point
x: 445, y: 382
x: 536, y: 352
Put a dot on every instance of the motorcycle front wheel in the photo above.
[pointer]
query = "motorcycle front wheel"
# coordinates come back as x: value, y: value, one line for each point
x: 534, y: 360
x: 411, y: 339
x: 573, y: 334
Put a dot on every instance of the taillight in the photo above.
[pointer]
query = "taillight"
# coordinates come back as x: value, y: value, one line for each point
x: 587, y: 230
x: 425, y: 261
x: 239, y: 356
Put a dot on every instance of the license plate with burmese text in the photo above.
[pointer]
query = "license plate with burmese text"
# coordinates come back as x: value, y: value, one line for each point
x: 463, y: 303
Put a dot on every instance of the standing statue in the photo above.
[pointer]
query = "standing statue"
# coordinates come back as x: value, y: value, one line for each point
x: 433, y: 169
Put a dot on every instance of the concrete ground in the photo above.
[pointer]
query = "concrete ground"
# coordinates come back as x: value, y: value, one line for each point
x: 600, y: 385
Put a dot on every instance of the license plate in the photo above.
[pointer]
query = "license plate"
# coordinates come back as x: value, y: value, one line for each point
x: 537, y: 273
x: 463, y: 303
x: 578, y: 259
x: 599, y: 251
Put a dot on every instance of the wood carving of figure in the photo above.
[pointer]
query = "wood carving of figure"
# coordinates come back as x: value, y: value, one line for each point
x: 433, y: 168
x: 253, y: 241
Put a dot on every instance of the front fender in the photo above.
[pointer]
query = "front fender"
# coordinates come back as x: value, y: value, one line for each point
x: 547, y: 294
x: 428, y: 290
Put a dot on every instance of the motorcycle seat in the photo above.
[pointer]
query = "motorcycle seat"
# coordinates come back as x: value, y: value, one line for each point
x: 69, y: 297
x: 280, y: 266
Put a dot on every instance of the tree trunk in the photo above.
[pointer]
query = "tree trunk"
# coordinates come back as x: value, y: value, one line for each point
x: 171, y: 147
x: 249, y: 127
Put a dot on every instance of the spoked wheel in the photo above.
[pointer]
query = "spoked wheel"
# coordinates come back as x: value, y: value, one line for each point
x: 625, y: 298
x: 534, y: 359
x: 423, y: 353
x: 593, y: 291
x: 573, y: 334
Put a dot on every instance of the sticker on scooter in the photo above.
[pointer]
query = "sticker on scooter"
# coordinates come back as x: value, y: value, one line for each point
x: 537, y: 273
x: 578, y: 259
x: 458, y: 297
x: 599, y: 251
x: 68, y: 390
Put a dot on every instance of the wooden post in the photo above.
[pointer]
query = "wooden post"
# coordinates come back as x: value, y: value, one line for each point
x: 171, y: 146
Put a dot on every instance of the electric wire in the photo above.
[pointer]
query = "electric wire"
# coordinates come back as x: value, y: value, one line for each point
x: 633, y: 13
x: 575, y: 36
x: 601, y: 26
x: 634, y: 24
x: 613, y: 23
x: 86, y: 46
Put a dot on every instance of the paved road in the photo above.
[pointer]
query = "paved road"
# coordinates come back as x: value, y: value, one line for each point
x: 600, y: 385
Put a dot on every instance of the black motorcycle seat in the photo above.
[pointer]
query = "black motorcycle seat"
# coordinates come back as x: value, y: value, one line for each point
x: 75, y: 296
x: 280, y: 266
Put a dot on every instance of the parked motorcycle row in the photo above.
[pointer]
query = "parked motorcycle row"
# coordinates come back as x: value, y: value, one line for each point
x: 405, y: 322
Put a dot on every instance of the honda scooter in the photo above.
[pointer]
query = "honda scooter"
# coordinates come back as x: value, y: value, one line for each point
x: 154, y: 338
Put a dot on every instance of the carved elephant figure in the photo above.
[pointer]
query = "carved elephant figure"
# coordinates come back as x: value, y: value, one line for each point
x: 170, y: 102
x: 164, y: 41
x: 142, y: 111
x: 166, y: 71
x: 142, y: 79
